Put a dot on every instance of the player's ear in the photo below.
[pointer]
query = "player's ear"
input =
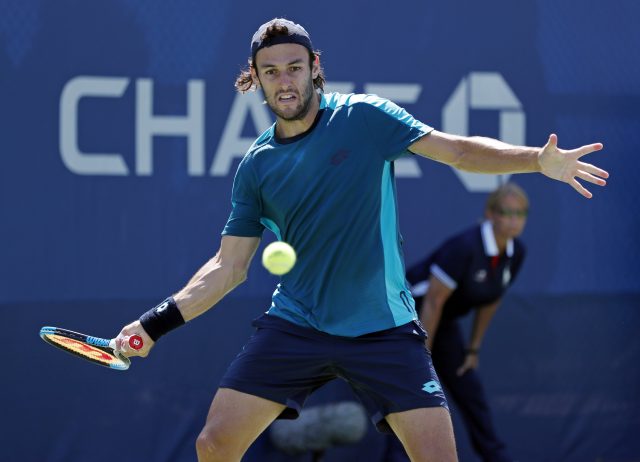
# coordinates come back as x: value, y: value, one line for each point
x: 315, y: 67
x: 254, y: 77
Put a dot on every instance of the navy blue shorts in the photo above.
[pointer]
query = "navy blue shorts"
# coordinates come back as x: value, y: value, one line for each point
x: 390, y: 371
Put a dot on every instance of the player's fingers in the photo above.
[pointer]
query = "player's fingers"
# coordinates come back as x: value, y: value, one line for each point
x: 581, y: 190
x: 553, y: 141
x: 116, y: 342
x: 590, y: 178
x: 121, y: 344
x: 594, y: 170
x: 588, y: 148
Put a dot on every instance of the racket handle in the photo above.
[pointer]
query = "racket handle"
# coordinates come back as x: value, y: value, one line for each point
x: 135, y: 342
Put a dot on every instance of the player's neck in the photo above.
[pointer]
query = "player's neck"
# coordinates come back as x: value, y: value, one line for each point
x: 291, y: 128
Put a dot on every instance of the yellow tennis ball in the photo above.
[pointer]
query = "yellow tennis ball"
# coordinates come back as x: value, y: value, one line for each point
x: 278, y: 257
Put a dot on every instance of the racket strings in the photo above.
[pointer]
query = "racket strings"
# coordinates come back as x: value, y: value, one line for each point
x: 83, y: 349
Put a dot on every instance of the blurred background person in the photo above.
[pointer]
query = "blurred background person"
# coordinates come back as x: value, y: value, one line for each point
x: 470, y: 272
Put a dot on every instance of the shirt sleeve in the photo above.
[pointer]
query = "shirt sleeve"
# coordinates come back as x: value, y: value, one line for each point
x: 450, y: 262
x: 393, y: 129
x: 244, y: 220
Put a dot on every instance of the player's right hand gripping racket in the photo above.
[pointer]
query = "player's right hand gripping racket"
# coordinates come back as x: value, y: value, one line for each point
x: 100, y: 351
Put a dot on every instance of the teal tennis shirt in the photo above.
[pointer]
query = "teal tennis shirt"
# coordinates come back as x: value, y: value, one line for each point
x: 330, y: 193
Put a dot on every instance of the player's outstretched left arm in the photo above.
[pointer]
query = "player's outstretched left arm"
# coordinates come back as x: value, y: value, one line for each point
x: 488, y: 155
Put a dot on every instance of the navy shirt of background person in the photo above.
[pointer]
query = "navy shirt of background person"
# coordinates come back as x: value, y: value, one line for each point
x: 470, y: 272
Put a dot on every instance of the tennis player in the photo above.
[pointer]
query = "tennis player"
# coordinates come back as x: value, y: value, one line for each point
x: 322, y: 179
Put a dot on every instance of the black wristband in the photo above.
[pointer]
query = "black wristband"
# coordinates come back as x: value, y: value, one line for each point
x: 162, y: 319
x: 472, y: 351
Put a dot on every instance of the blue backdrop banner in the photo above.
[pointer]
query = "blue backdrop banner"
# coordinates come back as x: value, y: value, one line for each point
x: 120, y: 133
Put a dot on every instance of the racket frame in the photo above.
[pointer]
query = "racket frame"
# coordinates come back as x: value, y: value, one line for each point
x: 104, y: 345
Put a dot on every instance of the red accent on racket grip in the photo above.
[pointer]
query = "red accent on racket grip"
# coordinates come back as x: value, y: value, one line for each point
x: 135, y: 342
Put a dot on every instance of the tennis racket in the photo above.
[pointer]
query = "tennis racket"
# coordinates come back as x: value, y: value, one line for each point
x: 97, y: 350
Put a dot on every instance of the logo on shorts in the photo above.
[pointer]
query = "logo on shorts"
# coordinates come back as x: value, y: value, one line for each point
x: 432, y: 387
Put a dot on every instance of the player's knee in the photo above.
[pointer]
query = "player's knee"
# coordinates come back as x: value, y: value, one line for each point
x: 212, y: 446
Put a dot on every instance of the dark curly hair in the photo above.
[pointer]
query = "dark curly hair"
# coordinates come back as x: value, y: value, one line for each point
x: 244, y: 81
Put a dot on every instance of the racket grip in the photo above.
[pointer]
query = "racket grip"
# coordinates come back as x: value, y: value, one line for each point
x: 135, y: 342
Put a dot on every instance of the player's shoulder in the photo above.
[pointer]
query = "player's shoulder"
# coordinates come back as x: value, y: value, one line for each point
x: 263, y: 140
x: 363, y: 101
x: 261, y: 145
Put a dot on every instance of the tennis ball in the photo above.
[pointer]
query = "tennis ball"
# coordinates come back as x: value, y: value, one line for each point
x: 278, y: 257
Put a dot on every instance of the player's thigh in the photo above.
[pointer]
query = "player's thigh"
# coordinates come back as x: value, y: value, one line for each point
x: 237, y: 418
x: 425, y: 433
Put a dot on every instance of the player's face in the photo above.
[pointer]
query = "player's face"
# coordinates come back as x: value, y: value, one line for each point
x: 509, y: 218
x: 286, y: 79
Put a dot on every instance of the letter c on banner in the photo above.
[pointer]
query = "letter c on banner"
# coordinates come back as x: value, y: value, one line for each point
x: 487, y: 91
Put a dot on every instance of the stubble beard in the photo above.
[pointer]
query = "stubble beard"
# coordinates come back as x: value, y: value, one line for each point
x: 301, y: 110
